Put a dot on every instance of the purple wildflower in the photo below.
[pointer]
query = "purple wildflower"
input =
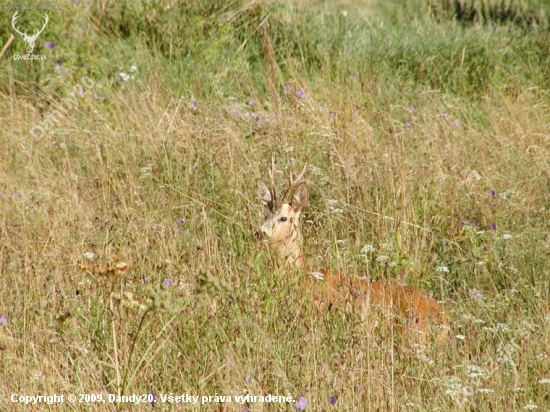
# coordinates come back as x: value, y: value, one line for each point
x: 288, y: 86
x: 235, y: 114
x: 463, y: 223
x: 168, y: 282
x: 193, y: 105
x: 300, y: 94
x: 250, y: 101
x: 408, y: 125
x: 4, y: 320
x: 457, y: 123
x: 492, y: 193
x: 301, y: 403
x: 95, y: 96
x: 356, y: 112
x: 144, y: 281
x: 248, y: 378
x: 475, y: 294
x: 153, y: 397
x: 413, y: 109
x: 58, y: 65
x: 50, y: 45
x: 332, y: 400
x: 493, y: 226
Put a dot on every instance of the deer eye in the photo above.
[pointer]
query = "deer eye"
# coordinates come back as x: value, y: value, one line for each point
x: 282, y: 219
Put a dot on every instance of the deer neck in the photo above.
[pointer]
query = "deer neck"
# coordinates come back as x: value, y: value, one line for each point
x: 289, y: 250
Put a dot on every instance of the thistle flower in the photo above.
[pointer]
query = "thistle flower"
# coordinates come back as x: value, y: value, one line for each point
x: 300, y: 94
x: 301, y: 403
x: 475, y: 294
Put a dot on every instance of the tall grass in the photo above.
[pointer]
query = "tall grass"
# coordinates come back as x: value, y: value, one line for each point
x: 127, y: 248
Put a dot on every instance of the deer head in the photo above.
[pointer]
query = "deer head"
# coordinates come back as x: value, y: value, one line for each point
x: 29, y: 40
x: 282, y: 218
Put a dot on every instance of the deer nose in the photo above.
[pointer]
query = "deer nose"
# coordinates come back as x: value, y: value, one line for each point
x: 259, y: 235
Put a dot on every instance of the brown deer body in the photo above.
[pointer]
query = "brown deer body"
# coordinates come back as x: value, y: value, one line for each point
x: 419, y: 310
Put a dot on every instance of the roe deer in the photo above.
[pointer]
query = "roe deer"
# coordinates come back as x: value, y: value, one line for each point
x: 419, y: 310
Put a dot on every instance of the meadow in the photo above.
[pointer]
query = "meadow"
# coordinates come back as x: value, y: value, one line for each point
x: 128, y: 259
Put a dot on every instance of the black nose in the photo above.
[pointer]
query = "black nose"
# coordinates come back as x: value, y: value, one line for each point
x: 259, y: 235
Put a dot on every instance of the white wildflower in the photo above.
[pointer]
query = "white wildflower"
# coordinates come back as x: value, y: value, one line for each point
x: 317, y: 275
x: 456, y: 390
x: 146, y: 171
x: 123, y: 77
x: 502, y: 327
x: 368, y: 248
x: 475, y: 372
x: 88, y: 255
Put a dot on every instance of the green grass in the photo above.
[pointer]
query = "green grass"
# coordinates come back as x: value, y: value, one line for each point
x: 409, y: 118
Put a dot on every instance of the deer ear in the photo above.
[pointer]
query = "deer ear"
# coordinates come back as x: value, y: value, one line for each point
x: 264, y: 194
x: 300, y: 197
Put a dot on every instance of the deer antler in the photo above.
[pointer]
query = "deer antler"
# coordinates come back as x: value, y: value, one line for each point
x: 46, y: 20
x: 293, y: 183
x: 36, y: 32
x: 15, y: 16
x: 272, y: 180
